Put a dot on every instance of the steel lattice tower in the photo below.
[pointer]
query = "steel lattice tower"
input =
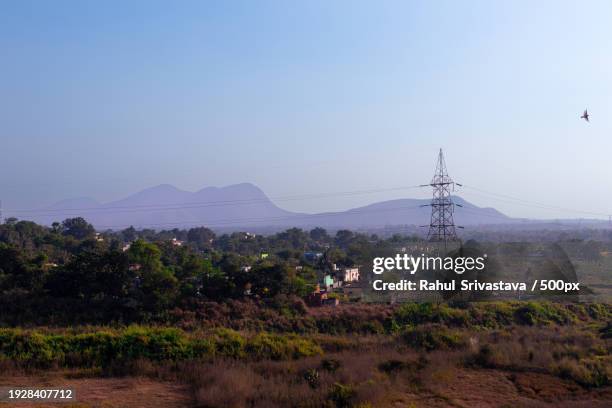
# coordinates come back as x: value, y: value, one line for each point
x: 442, y: 224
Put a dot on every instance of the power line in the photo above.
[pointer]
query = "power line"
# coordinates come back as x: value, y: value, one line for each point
x: 265, y: 219
x: 239, y: 202
x: 147, y: 207
x: 534, y: 204
x: 233, y: 221
x: 501, y: 217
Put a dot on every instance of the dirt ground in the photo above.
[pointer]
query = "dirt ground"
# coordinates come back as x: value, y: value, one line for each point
x: 495, y: 388
x: 456, y: 388
x: 106, y: 392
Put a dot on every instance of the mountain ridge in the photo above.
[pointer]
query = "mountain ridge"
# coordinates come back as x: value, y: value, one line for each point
x: 245, y: 205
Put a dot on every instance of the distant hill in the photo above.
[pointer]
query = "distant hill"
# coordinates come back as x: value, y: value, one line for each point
x: 403, y: 212
x: 243, y: 206
x: 165, y: 206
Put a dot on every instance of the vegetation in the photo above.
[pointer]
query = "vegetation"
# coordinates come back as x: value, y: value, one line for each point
x: 99, y: 348
x: 214, y: 314
x: 68, y: 274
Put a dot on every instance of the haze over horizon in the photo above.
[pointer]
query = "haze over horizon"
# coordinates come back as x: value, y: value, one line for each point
x: 104, y: 100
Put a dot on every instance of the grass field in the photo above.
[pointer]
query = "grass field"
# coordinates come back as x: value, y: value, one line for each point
x: 482, y: 354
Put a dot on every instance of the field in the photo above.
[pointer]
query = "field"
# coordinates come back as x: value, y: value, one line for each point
x: 415, y: 355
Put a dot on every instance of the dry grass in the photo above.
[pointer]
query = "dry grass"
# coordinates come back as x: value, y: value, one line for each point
x: 448, y: 363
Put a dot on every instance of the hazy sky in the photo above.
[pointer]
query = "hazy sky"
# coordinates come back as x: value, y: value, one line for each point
x: 104, y: 98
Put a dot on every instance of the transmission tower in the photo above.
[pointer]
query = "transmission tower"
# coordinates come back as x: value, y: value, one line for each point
x: 442, y: 225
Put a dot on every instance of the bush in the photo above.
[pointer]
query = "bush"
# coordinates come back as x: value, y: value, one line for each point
x: 280, y: 347
x: 330, y: 364
x: 418, y: 313
x: 493, y: 314
x: 229, y: 343
x: 606, y: 331
x: 393, y: 366
x: 155, y: 344
x: 588, y: 373
x: 433, y: 337
x: 152, y: 344
x: 341, y: 395
x: 534, y: 313
x: 599, y: 311
x: 486, y: 357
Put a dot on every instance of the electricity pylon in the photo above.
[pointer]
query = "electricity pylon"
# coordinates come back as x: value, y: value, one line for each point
x: 442, y: 226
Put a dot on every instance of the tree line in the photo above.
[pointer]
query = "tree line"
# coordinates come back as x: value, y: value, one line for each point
x: 70, y: 273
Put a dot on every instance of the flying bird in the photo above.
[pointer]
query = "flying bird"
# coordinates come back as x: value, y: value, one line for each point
x: 585, y: 115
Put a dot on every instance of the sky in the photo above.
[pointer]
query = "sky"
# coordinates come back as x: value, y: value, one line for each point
x: 102, y: 99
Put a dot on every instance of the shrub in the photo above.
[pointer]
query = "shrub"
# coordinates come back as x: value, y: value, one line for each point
x: 599, y: 311
x: 486, y: 357
x: 229, y: 343
x: 433, y: 337
x: 312, y: 378
x: 588, y: 373
x: 493, y: 314
x: 417, y: 313
x: 331, y: 365
x: 280, y: 347
x: 393, y: 366
x: 154, y: 344
x: 341, y: 395
x: 534, y: 313
x: 606, y: 331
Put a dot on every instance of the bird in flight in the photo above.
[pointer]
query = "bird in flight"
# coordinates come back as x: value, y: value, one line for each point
x: 585, y: 115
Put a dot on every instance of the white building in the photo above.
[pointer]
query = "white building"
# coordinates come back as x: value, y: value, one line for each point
x: 347, y: 274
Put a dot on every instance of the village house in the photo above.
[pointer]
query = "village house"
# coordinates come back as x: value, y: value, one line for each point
x: 353, y: 290
x: 320, y: 298
x: 346, y: 274
x: 328, y: 281
x: 342, y: 280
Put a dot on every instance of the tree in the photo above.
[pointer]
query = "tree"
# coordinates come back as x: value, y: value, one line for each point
x: 215, y: 283
x: 156, y: 285
x: 343, y: 238
x: 201, y: 237
x: 236, y: 277
x: 92, y: 274
x: 16, y: 272
x: 77, y: 228
x: 293, y: 238
x: 272, y: 280
x: 129, y: 234
x: 319, y: 234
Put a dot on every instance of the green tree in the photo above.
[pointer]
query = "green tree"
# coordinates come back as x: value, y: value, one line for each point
x: 272, y: 280
x: 319, y: 234
x: 17, y: 272
x: 201, y: 237
x: 77, y: 228
x: 156, y: 285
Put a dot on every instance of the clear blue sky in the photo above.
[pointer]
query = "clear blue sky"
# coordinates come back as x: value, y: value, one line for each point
x: 105, y: 98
